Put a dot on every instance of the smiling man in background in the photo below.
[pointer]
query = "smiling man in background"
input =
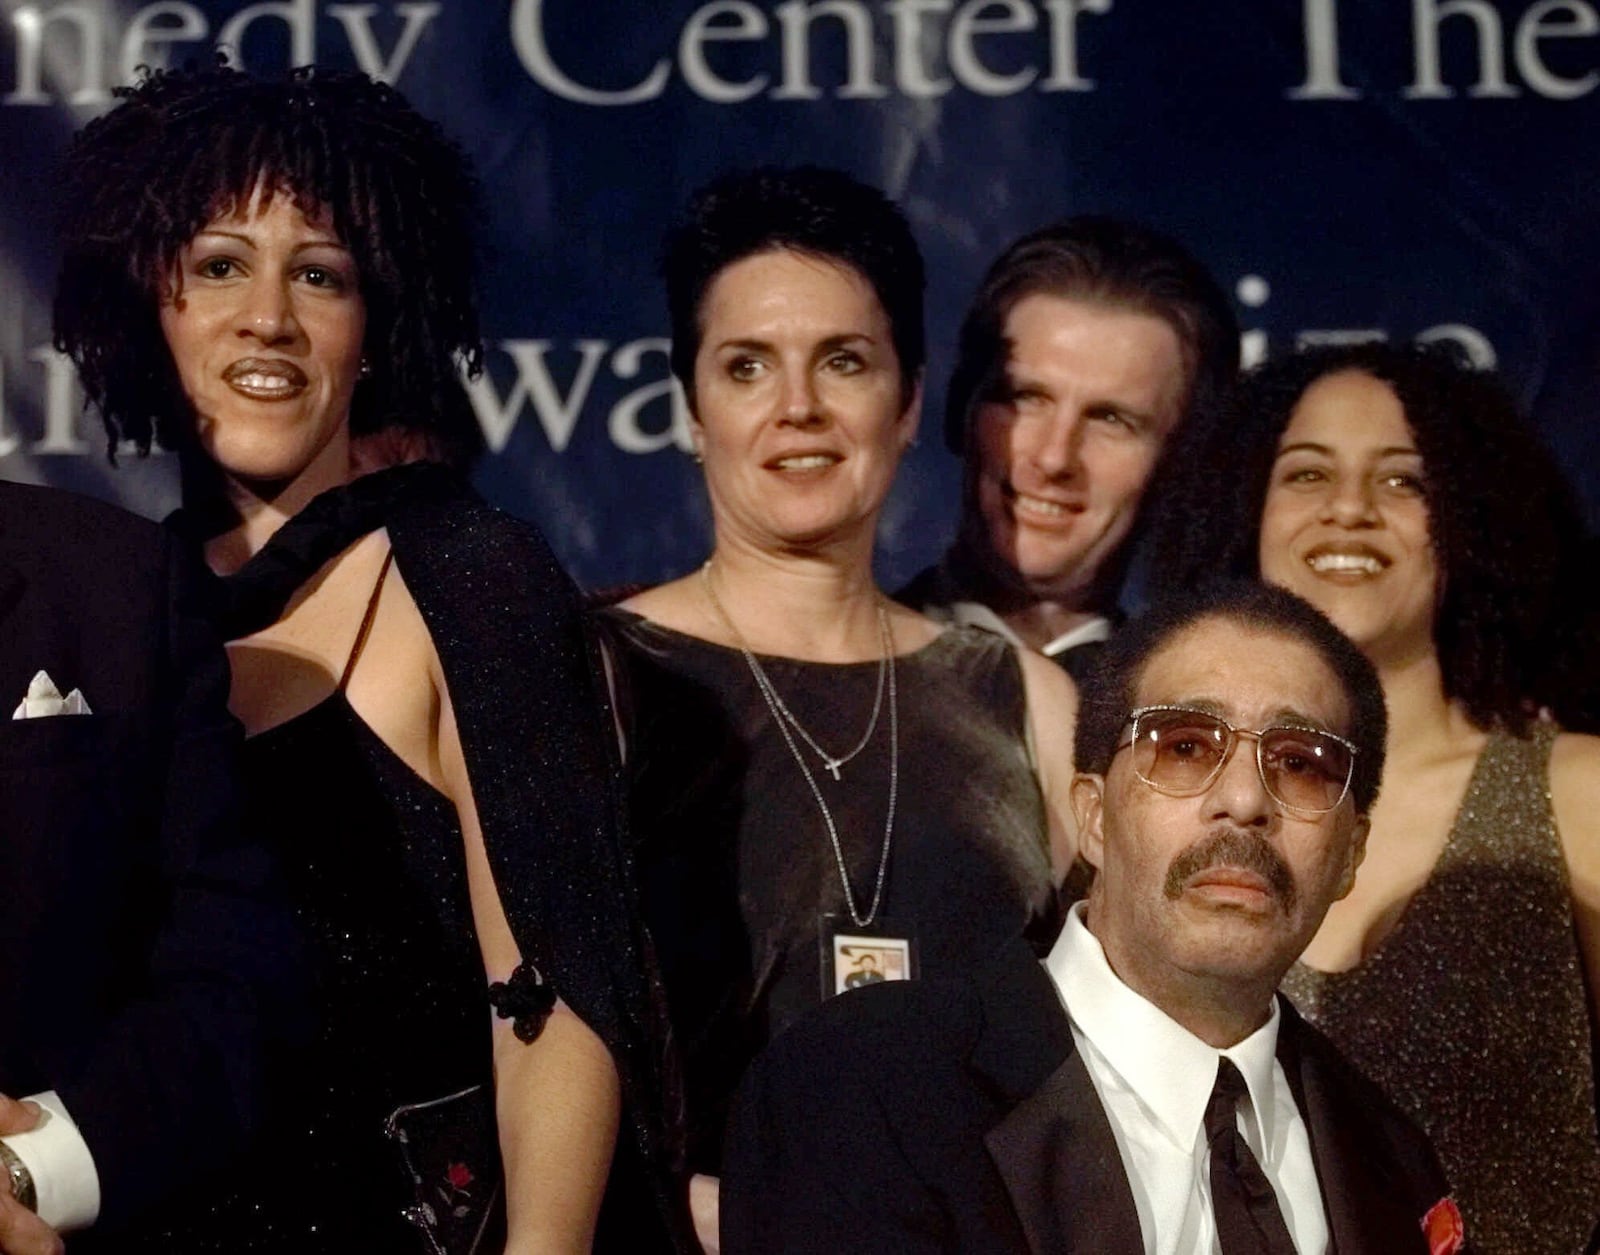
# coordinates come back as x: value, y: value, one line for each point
x: 1087, y: 344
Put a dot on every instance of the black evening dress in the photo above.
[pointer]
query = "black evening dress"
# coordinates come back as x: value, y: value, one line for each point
x: 377, y: 869
x: 734, y: 859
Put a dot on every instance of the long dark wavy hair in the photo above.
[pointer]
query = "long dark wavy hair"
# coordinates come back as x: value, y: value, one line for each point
x: 1507, y: 533
x: 186, y: 146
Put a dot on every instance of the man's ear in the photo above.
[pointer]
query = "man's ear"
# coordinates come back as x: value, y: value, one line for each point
x: 1087, y: 793
x: 1358, y: 851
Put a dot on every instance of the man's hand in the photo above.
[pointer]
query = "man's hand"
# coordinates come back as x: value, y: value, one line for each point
x: 23, y: 1233
x: 17, y: 1117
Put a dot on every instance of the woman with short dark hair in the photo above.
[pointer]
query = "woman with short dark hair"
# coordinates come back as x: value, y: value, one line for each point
x: 1399, y: 492
x: 818, y: 774
x: 274, y: 279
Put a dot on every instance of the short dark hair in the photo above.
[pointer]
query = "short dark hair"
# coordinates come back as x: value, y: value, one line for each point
x: 184, y: 146
x: 1503, y: 521
x: 805, y: 209
x: 1105, y: 261
x: 1107, y: 695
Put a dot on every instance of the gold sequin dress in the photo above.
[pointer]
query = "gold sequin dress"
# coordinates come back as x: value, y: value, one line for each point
x: 1472, y: 1015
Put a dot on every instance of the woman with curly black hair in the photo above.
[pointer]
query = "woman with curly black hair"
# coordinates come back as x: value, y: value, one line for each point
x: 274, y: 279
x: 1399, y: 493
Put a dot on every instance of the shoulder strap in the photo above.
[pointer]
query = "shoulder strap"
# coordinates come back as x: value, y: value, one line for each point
x: 609, y: 630
x: 366, y: 620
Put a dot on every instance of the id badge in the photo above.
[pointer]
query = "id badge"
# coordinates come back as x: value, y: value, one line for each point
x: 853, y: 956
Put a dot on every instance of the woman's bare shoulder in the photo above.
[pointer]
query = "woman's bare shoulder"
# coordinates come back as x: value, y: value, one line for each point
x: 1575, y: 798
x: 1049, y: 687
x: 1575, y: 764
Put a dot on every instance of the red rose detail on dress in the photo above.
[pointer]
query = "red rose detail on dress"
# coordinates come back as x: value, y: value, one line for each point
x: 1443, y: 1228
x: 460, y: 1176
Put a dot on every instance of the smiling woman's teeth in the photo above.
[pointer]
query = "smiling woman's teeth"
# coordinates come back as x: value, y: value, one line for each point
x: 264, y: 383
x: 810, y: 462
x: 1363, y: 564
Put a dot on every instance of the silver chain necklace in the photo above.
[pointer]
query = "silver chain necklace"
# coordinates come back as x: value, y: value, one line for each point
x: 831, y: 762
x: 782, y: 717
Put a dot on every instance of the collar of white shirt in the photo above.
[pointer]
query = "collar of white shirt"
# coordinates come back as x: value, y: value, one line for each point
x: 976, y: 614
x: 1170, y: 1069
x: 1154, y: 1079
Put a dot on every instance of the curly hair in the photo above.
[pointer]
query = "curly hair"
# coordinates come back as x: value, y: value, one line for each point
x: 1503, y: 522
x: 1107, y: 695
x: 807, y: 209
x: 186, y: 146
x: 1106, y: 261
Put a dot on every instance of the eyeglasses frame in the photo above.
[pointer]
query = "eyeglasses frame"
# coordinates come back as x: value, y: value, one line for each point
x: 1227, y: 752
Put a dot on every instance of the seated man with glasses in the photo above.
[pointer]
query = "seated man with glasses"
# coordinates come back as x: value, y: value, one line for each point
x: 1143, y: 1089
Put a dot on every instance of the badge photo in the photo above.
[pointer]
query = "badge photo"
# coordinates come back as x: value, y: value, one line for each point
x: 853, y: 957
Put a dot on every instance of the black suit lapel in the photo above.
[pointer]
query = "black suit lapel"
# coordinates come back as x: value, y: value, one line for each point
x: 1368, y: 1212
x: 1059, y: 1159
x: 1054, y: 1149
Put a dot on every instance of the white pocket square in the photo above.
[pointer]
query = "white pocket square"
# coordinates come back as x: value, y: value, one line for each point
x: 44, y: 698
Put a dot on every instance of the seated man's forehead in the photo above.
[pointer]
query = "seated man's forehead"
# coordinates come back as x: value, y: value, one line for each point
x: 1251, y: 677
x: 1285, y: 715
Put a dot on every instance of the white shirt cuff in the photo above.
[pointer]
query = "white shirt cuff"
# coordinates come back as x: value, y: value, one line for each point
x: 63, y: 1170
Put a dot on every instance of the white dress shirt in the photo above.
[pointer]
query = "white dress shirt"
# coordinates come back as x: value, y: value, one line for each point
x: 1154, y: 1079
x: 63, y: 1171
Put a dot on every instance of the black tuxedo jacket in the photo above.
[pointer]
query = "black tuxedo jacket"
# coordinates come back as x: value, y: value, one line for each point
x: 956, y: 1115
x: 145, y: 961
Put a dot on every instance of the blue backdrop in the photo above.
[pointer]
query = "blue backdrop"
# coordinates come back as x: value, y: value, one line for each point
x: 1346, y: 167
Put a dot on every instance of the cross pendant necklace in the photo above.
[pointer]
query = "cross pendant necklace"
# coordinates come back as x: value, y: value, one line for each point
x: 781, y: 711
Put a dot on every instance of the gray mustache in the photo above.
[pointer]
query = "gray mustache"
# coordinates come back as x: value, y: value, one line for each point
x: 1247, y: 851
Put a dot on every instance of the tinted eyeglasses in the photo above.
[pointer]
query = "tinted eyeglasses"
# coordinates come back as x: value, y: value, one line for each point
x: 1179, y: 752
